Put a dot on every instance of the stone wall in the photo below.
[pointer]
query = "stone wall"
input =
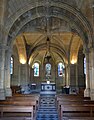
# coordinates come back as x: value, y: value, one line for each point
x: 77, y: 78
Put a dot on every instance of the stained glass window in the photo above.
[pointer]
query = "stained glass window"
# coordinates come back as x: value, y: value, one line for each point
x: 61, y: 69
x: 84, y: 65
x: 11, y: 65
x: 48, y: 69
x: 36, y: 69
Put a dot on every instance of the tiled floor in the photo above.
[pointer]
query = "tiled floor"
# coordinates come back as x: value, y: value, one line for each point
x: 47, y: 109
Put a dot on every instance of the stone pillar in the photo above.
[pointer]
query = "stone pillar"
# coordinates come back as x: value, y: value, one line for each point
x: 19, y: 77
x: 91, y: 71
x: 24, y: 74
x: 87, y: 90
x: 8, y: 91
x: 2, y: 82
x: 74, y: 78
x: 2, y: 48
x: 67, y: 76
x: 77, y: 75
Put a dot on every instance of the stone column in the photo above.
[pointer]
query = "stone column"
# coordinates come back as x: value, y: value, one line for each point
x: 19, y: 77
x: 2, y: 82
x: 91, y: 71
x: 87, y: 90
x: 77, y: 75
x: 2, y: 48
x: 8, y: 91
x: 67, y: 79
x: 74, y: 78
x: 24, y: 74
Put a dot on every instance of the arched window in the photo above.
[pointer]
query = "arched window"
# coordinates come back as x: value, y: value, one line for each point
x: 48, y: 69
x: 85, y: 66
x: 36, y: 69
x: 60, y: 69
x: 11, y: 65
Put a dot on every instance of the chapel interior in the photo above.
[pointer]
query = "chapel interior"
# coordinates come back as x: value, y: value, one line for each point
x: 47, y: 59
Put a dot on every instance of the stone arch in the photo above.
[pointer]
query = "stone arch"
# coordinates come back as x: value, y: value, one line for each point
x: 84, y: 26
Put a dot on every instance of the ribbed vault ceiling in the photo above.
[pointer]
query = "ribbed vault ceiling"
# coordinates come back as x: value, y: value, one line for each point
x: 61, y: 44
x: 64, y: 37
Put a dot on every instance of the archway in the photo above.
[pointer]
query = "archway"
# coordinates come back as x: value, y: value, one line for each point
x: 59, y: 12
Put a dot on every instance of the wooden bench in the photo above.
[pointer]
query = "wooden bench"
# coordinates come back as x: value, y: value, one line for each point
x: 78, y: 118
x: 26, y: 95
x: 15, y: 118
x: 71, y: 97
x: 35, y: 98
x: 17, y: 109
x: 70, y: 102
x: 25, y: 98
x: 20, y: 103
x: 76, y: 111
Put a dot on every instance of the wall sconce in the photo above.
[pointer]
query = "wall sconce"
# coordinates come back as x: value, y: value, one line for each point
x: 73, y: 61
x: 22, y: 61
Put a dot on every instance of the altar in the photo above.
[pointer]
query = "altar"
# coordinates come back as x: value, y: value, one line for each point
x: 48, y: 88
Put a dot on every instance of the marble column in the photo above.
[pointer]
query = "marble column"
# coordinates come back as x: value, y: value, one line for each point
x: 8, y: 91
x: 87, y: 90
x: 2, y: 82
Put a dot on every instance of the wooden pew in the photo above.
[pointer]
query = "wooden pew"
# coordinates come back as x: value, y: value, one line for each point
x: 78, y: 118
x: 15, y: 118
x: 25, y: 98
x: 76, y: 111
x: 70, y: 102
x: 20, y: 103
x: 26, y: 95
x: 71, y: 97
x: 17, y: 109
x: 21, y: 100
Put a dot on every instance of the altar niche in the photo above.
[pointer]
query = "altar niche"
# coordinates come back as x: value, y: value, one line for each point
x: 48, y: 88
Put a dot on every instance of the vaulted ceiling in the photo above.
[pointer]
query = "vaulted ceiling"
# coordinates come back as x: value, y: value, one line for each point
x: 64, y: 37
x: 61, y: 44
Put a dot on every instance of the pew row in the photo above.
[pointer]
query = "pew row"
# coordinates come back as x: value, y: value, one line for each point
x: 71, y: 97
x: 76, y: 111
x: 70, y: 102
x: 78, y: 118
x: 17, y: 109
x: 25, y: 98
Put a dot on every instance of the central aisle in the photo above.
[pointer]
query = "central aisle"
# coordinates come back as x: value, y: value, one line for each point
x: 47, y: 109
